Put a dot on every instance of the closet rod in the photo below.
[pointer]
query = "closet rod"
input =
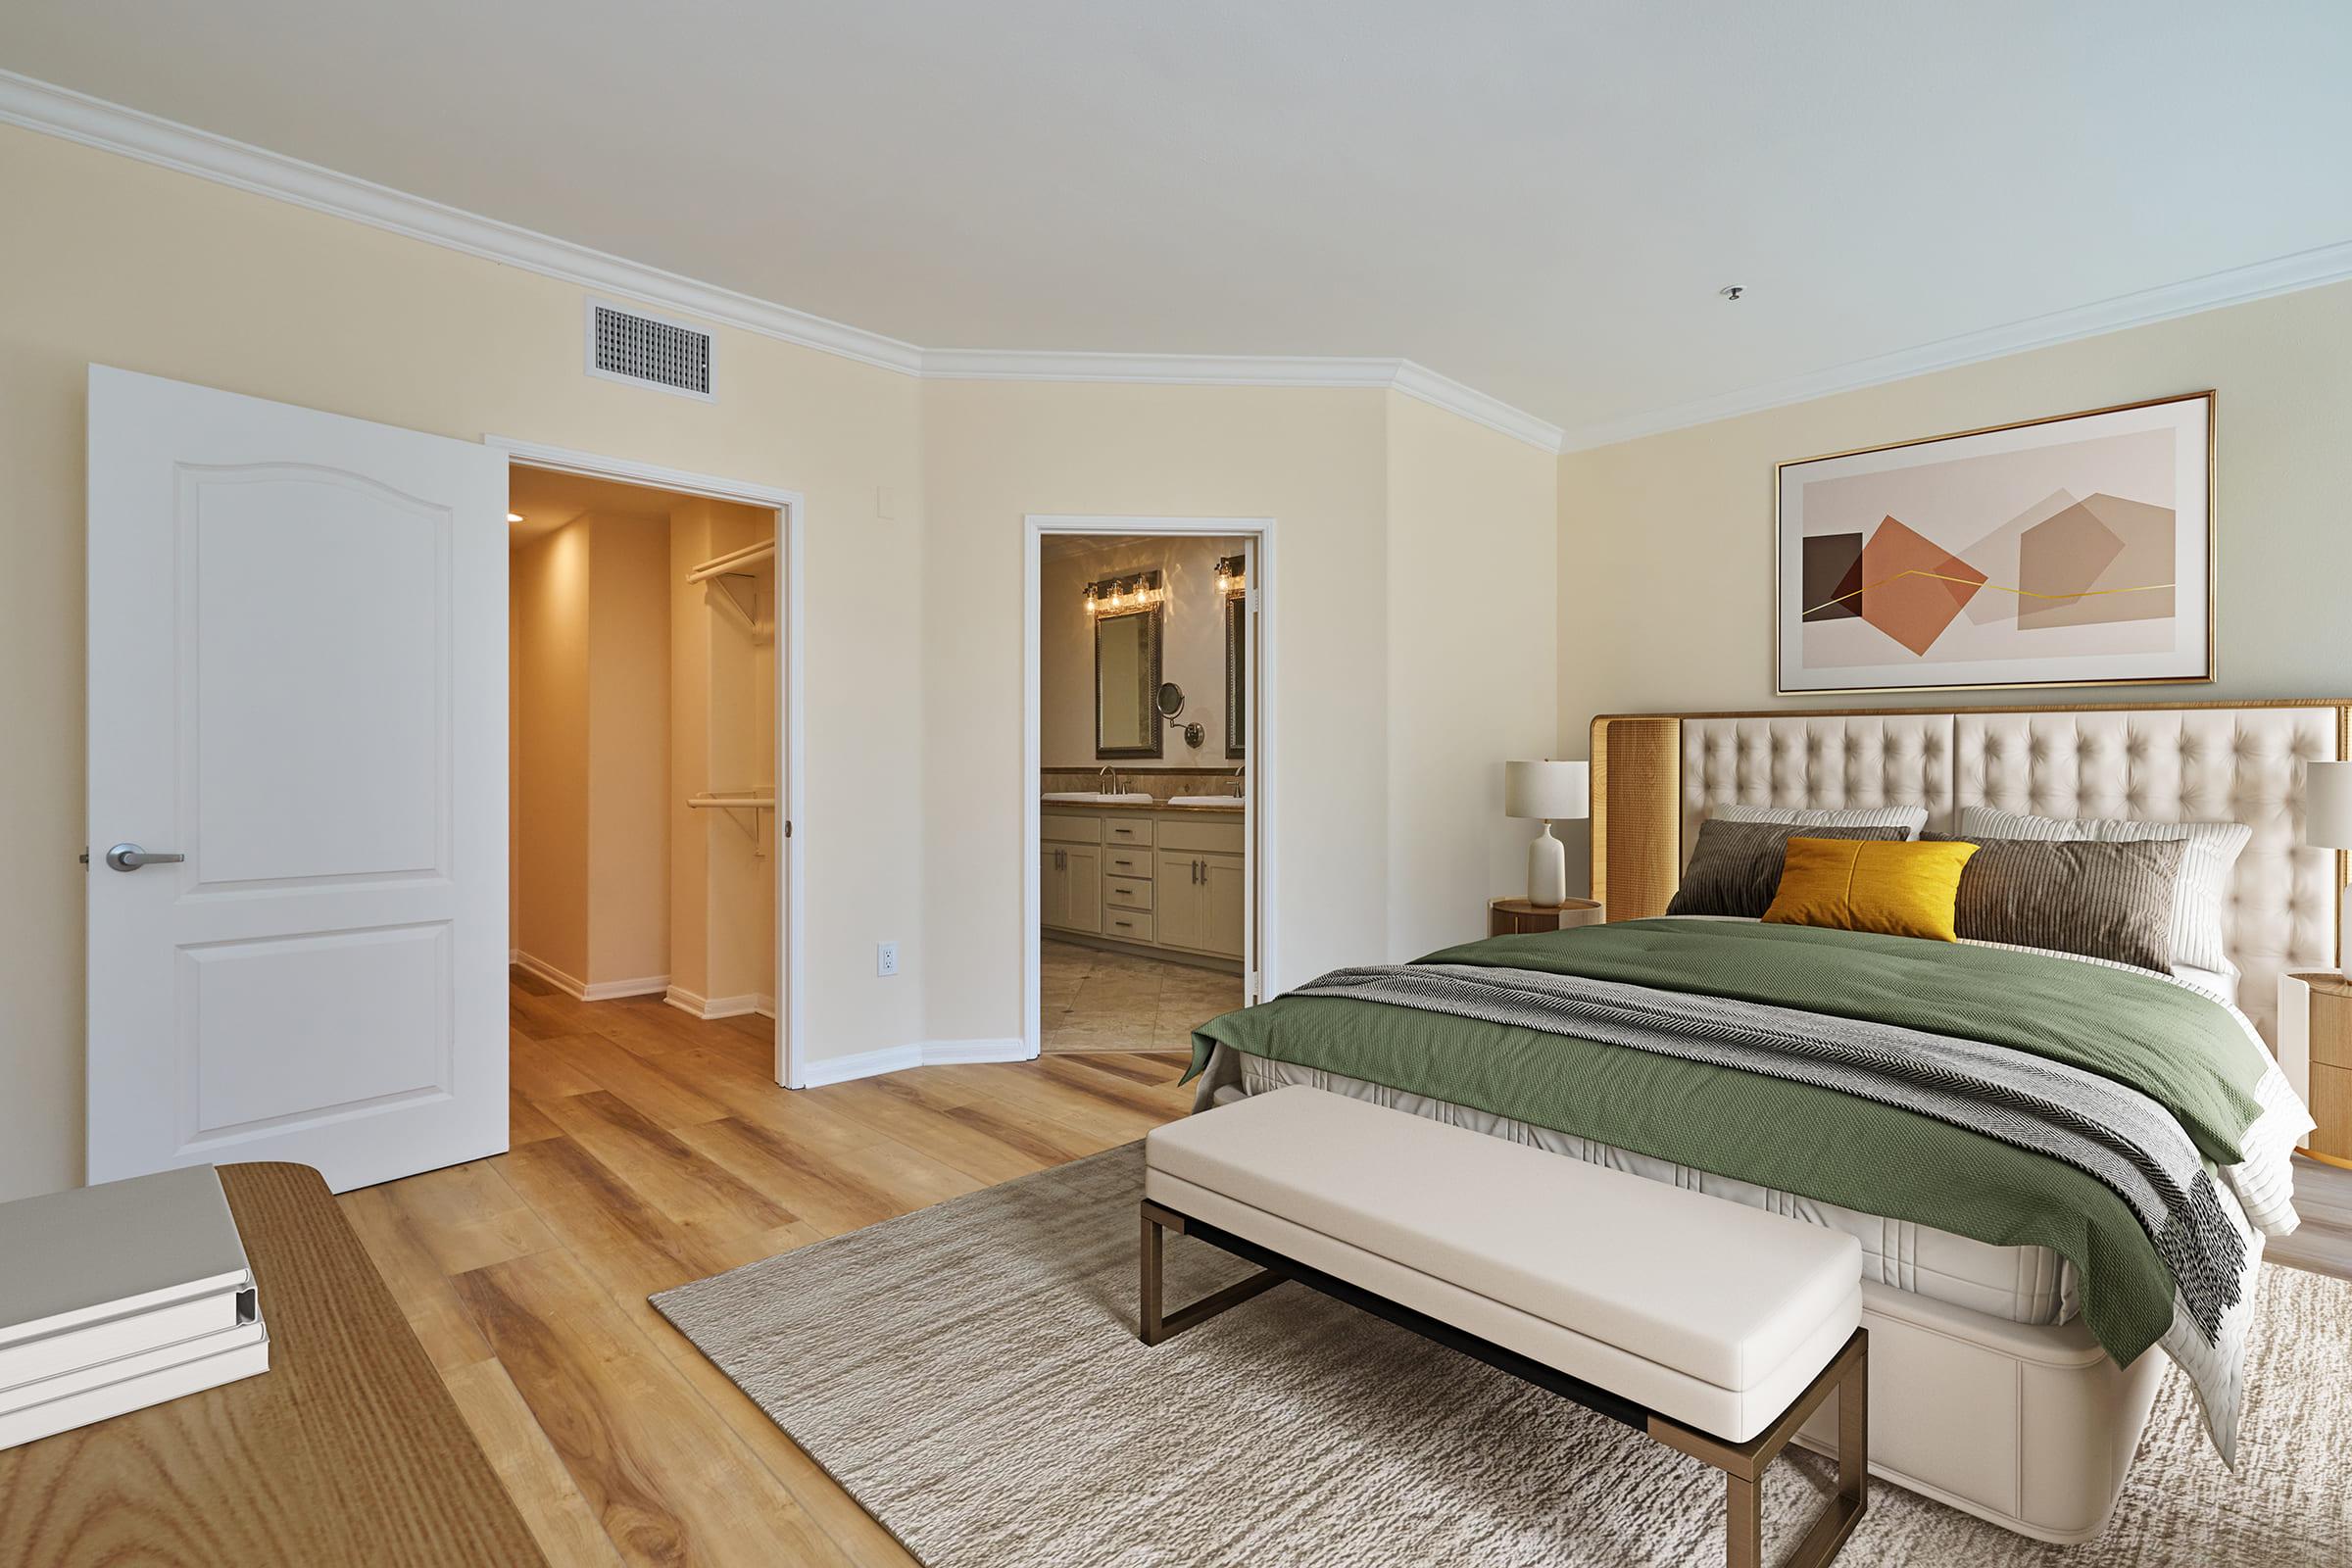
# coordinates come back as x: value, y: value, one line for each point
x: 767, y: 802
x: 733, y: 559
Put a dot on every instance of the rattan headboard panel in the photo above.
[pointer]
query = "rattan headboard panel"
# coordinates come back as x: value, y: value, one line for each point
x: 2203, y: 761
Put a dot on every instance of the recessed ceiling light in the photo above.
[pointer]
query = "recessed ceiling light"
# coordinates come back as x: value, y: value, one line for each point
x: 513, y: 516
x: 1731, y: 291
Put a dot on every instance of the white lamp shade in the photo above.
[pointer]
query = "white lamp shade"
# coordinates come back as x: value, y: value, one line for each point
x: 2327, y: 806
x: 1557, y: 792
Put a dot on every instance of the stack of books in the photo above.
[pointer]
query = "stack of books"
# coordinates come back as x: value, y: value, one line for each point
x: 121, y: 1296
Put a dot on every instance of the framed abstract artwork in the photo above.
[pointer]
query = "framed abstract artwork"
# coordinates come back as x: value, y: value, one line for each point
x: 2073, y: 550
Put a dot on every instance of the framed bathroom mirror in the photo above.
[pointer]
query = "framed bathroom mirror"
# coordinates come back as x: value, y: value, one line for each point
x: 1127, y: 684
x: 1236, y: 678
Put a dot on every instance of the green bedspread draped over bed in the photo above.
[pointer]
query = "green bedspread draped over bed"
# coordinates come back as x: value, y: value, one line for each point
x: 2180, y: 1049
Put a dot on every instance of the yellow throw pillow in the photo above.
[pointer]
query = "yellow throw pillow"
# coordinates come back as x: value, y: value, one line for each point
x: 1901, y: 888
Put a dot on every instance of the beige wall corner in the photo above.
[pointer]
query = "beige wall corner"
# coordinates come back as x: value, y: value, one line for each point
x: 1473, y: 629
x: 628, y: 751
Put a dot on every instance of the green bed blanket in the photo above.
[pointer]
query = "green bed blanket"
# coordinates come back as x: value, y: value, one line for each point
x: 2180, y: 1049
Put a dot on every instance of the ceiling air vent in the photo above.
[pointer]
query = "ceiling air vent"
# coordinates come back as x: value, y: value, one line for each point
x: 647, y: 350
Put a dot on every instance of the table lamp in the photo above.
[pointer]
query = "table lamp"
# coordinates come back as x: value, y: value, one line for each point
x: 1553, y: 792
x: 2327, y: 824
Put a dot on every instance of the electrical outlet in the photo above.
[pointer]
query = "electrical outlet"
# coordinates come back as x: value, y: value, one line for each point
x: 886, y: 958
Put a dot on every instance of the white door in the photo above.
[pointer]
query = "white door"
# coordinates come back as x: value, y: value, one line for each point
x: 298, y: 682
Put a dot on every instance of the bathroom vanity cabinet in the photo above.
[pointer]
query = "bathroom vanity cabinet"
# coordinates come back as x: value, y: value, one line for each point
x: 1174, y: 880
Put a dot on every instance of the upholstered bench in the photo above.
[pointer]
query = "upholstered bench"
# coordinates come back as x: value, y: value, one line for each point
x: 1716, y: 1328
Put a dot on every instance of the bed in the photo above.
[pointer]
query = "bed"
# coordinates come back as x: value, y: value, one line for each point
x: 1996, y: 1394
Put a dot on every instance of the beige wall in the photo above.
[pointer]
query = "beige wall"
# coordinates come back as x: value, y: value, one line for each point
x: 548, y: 596
x: 119, y: 262
x: 1320, y: 463
x: 1666, y: 543
x: 628, y: 750
x: 1473, y: 525
x: 1192, y: 648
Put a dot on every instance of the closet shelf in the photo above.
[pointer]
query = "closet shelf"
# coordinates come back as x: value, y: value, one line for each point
x: 733, y: 560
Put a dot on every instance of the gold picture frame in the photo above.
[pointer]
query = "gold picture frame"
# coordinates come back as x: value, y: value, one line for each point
x: 2128, y: 484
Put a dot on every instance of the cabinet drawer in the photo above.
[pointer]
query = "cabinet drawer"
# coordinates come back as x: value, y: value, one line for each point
x: 2332, y: 1109
x: 1127, y: 892
x: 1192, y: 833
x: 1135, y: 865
x: 1127, y: 830
x: 1069, y: 828
x: 1128, y: 925
x: 2330, y: 1023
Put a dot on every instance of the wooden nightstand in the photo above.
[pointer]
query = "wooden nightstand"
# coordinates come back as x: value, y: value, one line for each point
x: 2329, y: 1032
x: 1510, y: 916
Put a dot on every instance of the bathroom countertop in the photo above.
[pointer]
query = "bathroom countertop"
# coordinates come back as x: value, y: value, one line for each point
x: 1235, y: 809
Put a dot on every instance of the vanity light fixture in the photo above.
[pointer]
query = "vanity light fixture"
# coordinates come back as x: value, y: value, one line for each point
x: 1117, y: 595
x: 1232, y: 575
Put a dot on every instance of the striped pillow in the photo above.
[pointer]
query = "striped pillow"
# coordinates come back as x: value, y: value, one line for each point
x: 2101, y: 901
x: 1910, y: 818
x: 2210, y: 852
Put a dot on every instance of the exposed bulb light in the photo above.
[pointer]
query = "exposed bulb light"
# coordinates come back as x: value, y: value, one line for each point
x: 513, y: 516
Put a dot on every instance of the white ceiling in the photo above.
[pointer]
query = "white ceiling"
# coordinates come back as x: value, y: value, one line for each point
x: 1539, y: 198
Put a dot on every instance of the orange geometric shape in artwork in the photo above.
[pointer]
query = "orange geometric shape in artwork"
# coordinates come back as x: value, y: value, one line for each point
x: 1912, y: 587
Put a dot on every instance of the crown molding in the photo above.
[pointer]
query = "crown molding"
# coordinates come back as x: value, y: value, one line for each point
x: 61, y: 112
x: 94, y: 122
x: 76, y: 117
x: 2237, y: 285
x: 1411, y: 379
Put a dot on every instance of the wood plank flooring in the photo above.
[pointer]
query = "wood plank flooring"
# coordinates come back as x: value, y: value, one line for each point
x: 651, y: 1149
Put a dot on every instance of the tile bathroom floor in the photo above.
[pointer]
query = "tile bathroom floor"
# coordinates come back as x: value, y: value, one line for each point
x: 1093, y: 1001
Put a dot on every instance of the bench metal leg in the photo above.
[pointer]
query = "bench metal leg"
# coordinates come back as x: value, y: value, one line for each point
x: 1744, y: 1463
x: 1155, y: 1324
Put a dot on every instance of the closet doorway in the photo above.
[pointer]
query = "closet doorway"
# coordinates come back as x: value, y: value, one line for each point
x: 652, y: 747
x: 1147, y: 778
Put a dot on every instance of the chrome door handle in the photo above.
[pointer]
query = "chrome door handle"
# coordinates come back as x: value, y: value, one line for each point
x: 129, y: 857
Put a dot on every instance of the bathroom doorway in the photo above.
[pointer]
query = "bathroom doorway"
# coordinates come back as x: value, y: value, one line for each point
x: 1145, y: 766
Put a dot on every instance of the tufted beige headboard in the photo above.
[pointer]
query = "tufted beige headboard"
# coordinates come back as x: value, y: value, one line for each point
x: 1655, y: 778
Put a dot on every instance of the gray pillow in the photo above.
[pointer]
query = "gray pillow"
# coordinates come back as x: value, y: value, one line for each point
x: 1736, y: 866
x: 1910, y: 818
x: 2103, y: 900
x: 2205, y: 867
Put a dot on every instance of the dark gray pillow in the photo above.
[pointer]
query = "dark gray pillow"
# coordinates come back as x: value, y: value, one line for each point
x: 2103, y: 900
x: 1736, y: 866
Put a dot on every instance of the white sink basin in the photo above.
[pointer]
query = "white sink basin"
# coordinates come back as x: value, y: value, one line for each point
x: 1096, y: 797
x: 1202, y: 800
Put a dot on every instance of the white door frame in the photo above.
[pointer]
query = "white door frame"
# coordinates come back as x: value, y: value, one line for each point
x: 791, y: 528
x: 1258, y: 924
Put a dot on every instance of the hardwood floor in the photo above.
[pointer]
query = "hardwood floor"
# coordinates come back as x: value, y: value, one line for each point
x: 651, y: 1149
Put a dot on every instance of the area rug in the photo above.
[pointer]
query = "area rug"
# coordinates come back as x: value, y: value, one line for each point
x: 970, y: 1374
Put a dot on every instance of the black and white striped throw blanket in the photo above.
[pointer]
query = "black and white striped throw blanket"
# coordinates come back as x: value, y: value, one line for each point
x: 2110, y: 1132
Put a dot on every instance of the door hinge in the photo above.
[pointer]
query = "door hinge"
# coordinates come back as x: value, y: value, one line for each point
x: 86, y: 855
x: 788, y: 827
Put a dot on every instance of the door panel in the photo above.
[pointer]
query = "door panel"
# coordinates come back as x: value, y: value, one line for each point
x: 1052, y: 888
x: 298, y: 680
x: 1224, y: 889
x: 1084, y: 887
x: 1178, y: 889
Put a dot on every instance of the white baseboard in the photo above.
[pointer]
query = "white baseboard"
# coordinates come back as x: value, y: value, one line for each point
x: 898, y: 1058
x: 702, y: 1006
x: 582, y: 990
